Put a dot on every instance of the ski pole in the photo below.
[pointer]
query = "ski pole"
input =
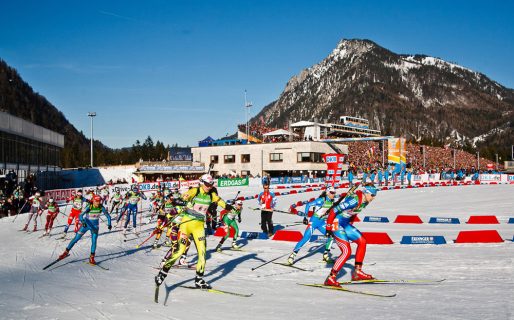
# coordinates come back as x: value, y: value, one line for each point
x: 149, y: 237
x: 270, y: 261
x: 20, y: 210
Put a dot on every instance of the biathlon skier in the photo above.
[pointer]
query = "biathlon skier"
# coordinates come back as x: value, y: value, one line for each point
x: 156, y: 202
x: 192, y: 223
x: 52, y: 210
x: 317, y: 222
x: 76, y: 209
x: 166, y: 214
x: 116, y: 201
x: 104, y: 193
x: 229, y: 221
x: 90, y: 222
x: 134, y: 196
x: 36, y: 208
x: 124, y: 207
x: 340, y: 227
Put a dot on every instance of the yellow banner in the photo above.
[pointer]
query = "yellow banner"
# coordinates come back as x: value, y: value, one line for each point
x: 242, y: 135
x: 397, y: 152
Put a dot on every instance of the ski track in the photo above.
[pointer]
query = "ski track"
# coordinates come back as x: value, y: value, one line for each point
x: 479, y: 277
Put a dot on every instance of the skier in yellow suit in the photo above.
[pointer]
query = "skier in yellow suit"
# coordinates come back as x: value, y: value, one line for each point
x: 192, y: 223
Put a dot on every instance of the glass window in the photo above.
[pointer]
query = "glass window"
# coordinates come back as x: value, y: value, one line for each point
x: 214, y: 159
x: 245, y: 158
x: 304, y: 157
x: 229, y: 158
x: 275, y: 157
x: 310, y: 157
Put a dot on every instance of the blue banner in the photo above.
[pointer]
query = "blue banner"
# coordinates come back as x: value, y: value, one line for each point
x: 444, y: 220
x: 375, y: 219
x: 423, y: 240
x: 254, y: 235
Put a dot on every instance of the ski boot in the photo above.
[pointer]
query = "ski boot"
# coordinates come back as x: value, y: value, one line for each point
x: 359, y: 275
x: 155, y: 244
x: 327, y: 258
x: 64, y: 254
x: 182, y: 260
x: 47, y: 232
x: 25, y: 228
x: 92, y: 259
x: 290, y: 260
x: 332, y: 280
x: 159, y: 278
x: 235, y: 246
x: 201, y: 284
x: 218, y: 247
x: 35, y: 229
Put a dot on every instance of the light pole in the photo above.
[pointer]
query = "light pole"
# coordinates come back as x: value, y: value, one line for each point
x: 91, y: 115
x: 248, y: 105
x: 496, y: 162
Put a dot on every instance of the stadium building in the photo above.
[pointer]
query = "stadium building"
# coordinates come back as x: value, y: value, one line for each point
x: 297, y: 158
x: 26, y: 148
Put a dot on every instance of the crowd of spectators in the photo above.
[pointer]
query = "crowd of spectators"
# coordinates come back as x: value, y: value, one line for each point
x: 256, y: 130
x: 366, y: 158
x: 13, y: 193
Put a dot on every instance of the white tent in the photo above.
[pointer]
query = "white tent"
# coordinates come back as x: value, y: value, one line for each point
x: 303, y: 123
x: 279, y: 132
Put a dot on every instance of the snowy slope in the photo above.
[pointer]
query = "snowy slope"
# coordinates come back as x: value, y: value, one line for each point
x: 479, y: 276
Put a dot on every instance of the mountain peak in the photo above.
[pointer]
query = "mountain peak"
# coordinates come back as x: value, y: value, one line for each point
x: 356, y: 46
x: 415, y: 96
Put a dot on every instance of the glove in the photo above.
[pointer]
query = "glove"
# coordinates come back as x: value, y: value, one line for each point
x: 329, y: 230
x: 239, y: 219
x: 305, y: 220
x: 109, y: 227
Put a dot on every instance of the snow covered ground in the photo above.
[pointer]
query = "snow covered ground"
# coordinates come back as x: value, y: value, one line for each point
x: 479, y: 277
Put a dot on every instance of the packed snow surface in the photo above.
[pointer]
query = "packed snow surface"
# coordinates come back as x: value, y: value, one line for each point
x: 479, y: 277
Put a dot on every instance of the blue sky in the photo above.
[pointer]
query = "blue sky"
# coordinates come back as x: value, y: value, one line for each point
x: 177, y: 70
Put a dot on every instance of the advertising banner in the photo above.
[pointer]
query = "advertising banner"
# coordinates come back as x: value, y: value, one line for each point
x: 237, y: 182
x: 396, y: 150
x: 334, y: 163
x: 490, y: 177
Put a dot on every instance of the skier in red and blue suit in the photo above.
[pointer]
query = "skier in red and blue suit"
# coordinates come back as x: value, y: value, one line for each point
x: 316, y: 222
x: 339, y: 225
x: 90, y: 222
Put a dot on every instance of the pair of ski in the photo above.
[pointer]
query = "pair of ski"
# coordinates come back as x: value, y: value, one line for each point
x: 211, y: 290
x: 368, y: 293
x: 86, y: 262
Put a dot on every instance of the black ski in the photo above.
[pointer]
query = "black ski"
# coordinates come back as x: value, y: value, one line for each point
x: 53, y: 262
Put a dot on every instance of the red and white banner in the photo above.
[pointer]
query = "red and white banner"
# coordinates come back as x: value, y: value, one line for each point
x: 334, y: 163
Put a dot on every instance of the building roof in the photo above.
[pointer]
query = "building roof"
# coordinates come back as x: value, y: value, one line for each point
x: 303, y: 123
x: 279, y: 132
